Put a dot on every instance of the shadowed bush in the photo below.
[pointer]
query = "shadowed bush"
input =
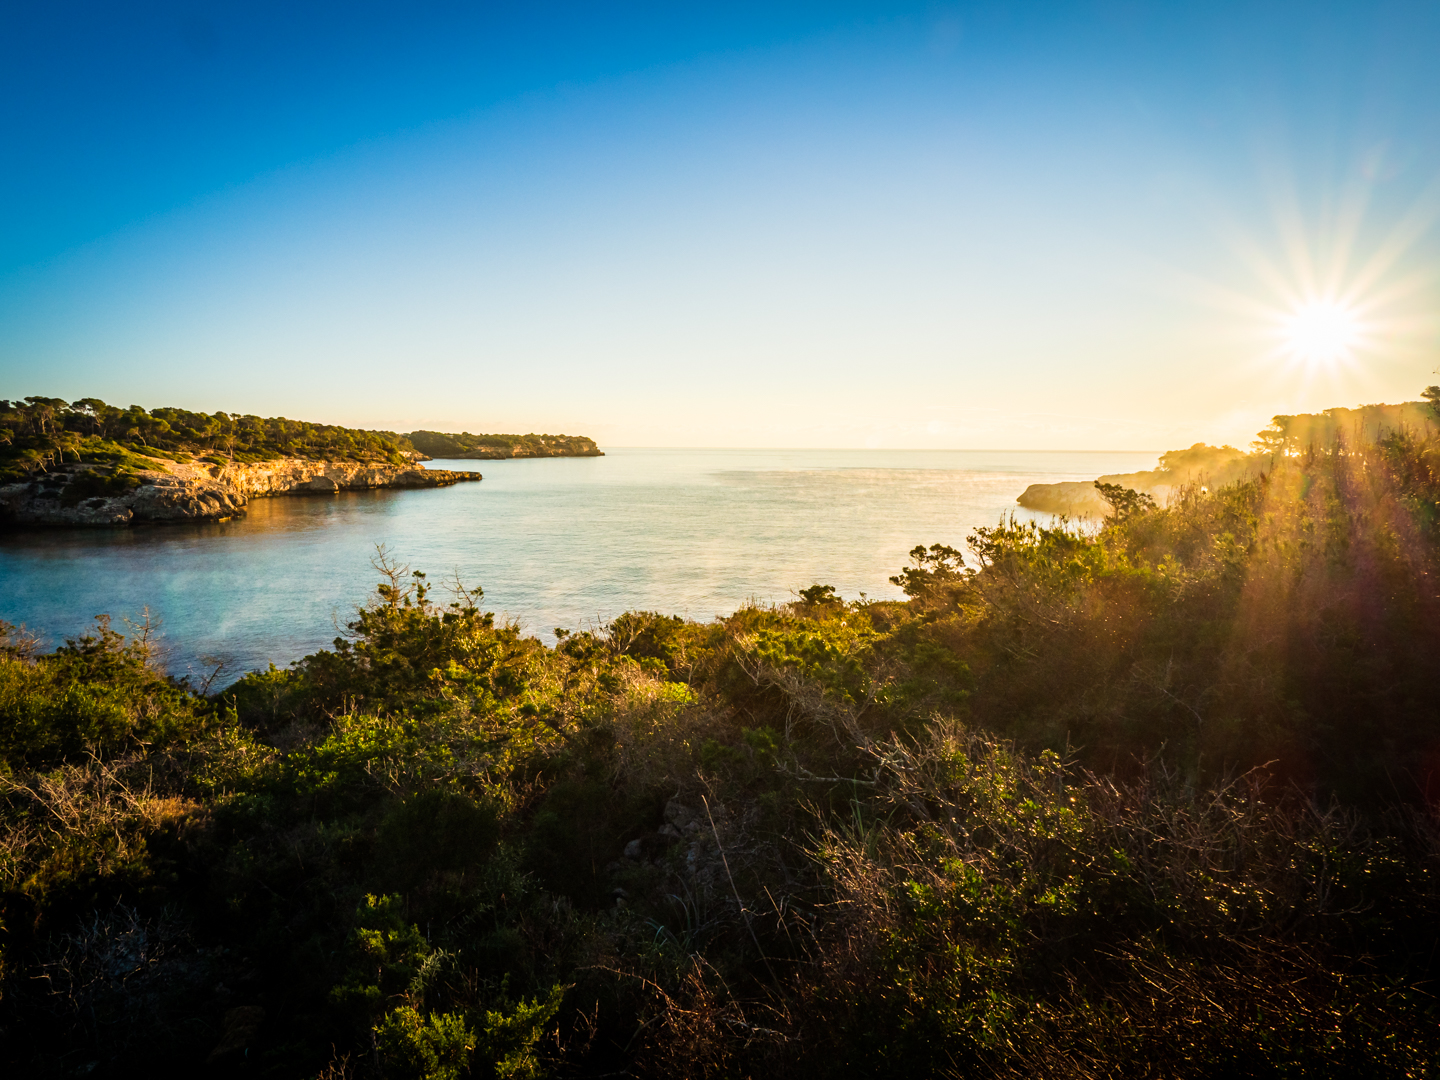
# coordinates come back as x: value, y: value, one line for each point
x: 1150, y: 798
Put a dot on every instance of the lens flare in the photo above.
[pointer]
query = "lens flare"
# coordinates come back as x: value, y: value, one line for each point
x: 1322, y: 332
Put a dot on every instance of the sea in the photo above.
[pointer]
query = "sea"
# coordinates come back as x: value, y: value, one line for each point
x: 554, y: 543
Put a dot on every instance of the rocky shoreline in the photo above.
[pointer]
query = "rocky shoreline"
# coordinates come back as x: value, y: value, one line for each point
x: 88, y: 495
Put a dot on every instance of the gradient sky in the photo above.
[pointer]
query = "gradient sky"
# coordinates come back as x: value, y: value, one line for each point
x: 994, y: 225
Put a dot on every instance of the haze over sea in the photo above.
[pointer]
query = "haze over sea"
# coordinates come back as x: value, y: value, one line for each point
x: 567, y: 542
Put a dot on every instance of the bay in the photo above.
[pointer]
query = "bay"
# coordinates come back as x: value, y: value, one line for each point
x: 556, y: 542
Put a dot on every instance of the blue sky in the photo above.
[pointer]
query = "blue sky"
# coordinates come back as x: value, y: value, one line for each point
x: 998, y: 225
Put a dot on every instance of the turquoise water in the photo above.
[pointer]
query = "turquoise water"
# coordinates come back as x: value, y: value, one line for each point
x: 566, y: 542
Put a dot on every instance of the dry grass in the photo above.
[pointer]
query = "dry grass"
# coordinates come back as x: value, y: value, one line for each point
x: 94, y: 816
x: 1037, y: 920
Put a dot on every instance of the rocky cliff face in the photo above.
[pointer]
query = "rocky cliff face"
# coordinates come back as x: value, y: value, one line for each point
x: 195, y: 491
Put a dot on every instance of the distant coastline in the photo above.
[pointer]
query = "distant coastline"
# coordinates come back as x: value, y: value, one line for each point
x: 86, y: 463
x: 436, y: 444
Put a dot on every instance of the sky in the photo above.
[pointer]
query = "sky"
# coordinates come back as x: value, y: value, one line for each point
x: 1106, y: 225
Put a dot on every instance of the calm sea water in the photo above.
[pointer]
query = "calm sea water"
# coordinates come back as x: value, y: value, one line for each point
x: 567, y: 542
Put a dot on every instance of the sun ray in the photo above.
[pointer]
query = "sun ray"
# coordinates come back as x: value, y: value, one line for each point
x: 1398, y: 242
x: 1336, y: 296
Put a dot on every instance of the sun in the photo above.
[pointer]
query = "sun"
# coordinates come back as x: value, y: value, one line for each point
x: 1322, y: 332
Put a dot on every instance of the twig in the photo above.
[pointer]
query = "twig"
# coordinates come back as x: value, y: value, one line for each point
x: 744, y: 911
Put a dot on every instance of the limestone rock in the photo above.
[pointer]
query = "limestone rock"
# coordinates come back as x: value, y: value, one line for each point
x: 198, y: 491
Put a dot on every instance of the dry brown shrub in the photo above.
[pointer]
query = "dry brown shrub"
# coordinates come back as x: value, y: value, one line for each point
x: 657, y: 732
x: 1231, y: 934
x: 93, y: 815
x: 697, y: 1028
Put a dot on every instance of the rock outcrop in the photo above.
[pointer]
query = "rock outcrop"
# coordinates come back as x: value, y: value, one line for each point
x: 1211, y: 466
x: 1218, y: 466
x: 195, y: 491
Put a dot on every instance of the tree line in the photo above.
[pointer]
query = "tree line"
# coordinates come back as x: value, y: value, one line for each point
x: 38, y: 434
x: 464, y: 445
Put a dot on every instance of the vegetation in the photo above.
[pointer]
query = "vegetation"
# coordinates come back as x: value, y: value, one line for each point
x: 40, y: 433
x: 1221, y: 466
x: 465, y: 445
x: 1157, y: 797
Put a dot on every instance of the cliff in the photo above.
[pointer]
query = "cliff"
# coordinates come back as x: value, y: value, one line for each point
x: 194, y: 491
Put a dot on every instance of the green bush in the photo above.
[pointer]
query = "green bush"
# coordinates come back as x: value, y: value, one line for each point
x: 1149, y: 798
x: 434, y: 831
x: 434, y: 1047
x: 95, y: 694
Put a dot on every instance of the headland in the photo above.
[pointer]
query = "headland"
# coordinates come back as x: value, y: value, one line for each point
x: 86, y: 463
x: 1220, y: 466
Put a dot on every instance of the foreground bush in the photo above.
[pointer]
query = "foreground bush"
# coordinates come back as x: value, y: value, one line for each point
x: 1150, y: 798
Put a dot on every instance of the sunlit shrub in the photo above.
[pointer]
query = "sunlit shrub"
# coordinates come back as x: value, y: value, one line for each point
x: 434, y: 1047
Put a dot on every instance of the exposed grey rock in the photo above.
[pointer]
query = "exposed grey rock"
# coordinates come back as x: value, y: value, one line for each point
x: 172, y: 498
x: 685, y: 819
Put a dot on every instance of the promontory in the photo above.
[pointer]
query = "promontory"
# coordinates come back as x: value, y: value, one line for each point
x: 1213, y: 467
x: 89, y: 463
